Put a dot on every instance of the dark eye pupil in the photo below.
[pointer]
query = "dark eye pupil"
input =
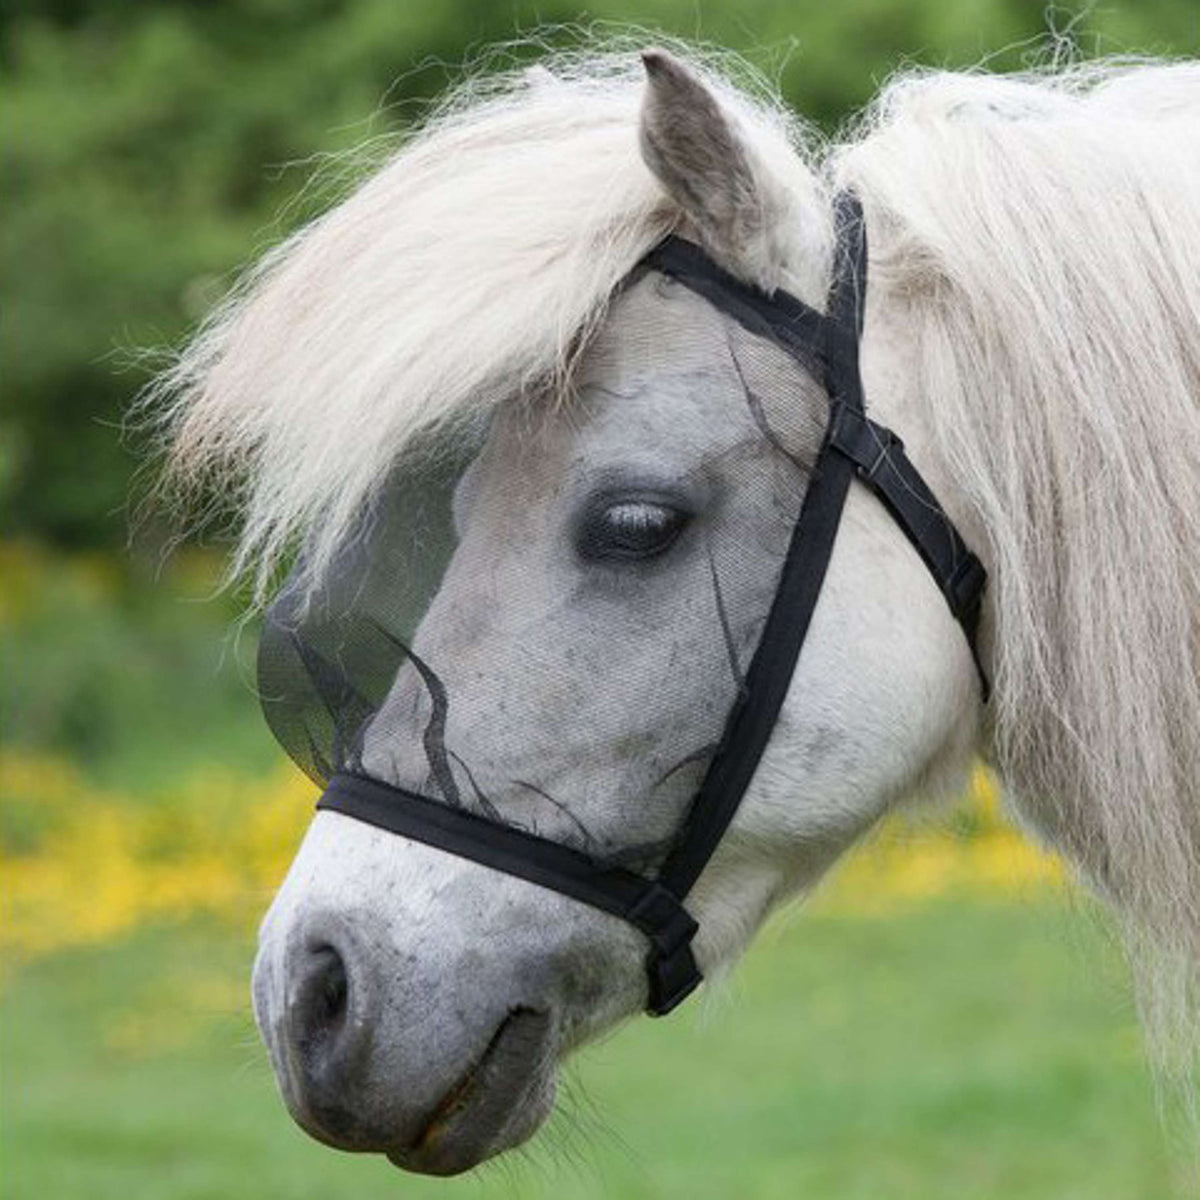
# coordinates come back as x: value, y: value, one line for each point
x: 631, y: 529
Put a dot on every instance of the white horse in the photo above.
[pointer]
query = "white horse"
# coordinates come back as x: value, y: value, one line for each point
x: 1032, y: 330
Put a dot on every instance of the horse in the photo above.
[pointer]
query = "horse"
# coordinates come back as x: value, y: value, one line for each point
x: 1031, y: 328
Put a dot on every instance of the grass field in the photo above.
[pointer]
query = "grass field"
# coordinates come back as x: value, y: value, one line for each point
x: 961, y: 1049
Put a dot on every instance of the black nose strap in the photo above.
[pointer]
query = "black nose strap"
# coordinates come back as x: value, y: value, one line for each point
x: 644, y: 903
x: 853, y: 448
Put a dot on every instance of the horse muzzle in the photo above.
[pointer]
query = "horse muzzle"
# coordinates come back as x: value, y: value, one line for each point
x: 416, y: 1005
x: 437, y: 1090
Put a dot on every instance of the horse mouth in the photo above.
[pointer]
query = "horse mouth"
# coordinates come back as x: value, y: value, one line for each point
x: 498, y: 1101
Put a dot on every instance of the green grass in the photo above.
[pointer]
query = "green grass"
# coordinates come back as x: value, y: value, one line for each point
x: 962, y: 1050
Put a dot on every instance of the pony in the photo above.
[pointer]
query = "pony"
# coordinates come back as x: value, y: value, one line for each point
x: 1032, y: 329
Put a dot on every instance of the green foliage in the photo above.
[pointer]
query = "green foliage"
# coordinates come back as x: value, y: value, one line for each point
x: 147, y: 149
x: 136, y: 679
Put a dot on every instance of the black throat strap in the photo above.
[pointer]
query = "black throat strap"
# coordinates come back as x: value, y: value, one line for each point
x: 853, y: 447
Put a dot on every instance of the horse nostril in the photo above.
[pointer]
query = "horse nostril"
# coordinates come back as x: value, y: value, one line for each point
x: 320, y: 1006
x: 331, y: 986
x: 326, y: 1034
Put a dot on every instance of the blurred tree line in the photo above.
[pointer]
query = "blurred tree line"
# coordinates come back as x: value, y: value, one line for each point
x: 147, y: 146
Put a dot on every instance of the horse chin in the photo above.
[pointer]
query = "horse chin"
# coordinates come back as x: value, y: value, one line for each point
x: 499, y: 1102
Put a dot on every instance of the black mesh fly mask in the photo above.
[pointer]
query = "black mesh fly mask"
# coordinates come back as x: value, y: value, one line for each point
x: 341, y: 670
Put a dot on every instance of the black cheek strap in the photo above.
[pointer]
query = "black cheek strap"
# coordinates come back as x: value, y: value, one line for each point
x: 752, y: 720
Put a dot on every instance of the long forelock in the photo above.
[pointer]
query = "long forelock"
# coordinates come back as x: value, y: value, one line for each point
x: 1041, y: 239
x: 469, y: 270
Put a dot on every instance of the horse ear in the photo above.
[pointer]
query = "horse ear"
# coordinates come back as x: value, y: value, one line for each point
x: 696, y: 152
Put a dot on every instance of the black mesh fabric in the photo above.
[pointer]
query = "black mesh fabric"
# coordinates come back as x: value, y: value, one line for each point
x: 330, y: 653
x: 495, y: 665
x: 456, y: 667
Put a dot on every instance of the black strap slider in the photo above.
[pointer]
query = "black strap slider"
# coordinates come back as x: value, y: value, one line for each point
x: 867, y: 445
x: 660, y: 915
x: 670, y: 966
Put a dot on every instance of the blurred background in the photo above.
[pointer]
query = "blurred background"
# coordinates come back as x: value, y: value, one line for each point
x: 946, y: 1019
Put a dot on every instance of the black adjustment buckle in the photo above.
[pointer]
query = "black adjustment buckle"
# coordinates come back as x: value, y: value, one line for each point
x: 864, y: 443
x: 670, y: 965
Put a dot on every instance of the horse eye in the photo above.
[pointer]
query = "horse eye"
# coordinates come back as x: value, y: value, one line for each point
x: 630, y: 529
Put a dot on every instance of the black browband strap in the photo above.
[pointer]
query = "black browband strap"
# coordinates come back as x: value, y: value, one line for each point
x: 854, y: 447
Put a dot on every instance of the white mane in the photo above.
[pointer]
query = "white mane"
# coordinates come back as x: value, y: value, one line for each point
x: 1043, y: 236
